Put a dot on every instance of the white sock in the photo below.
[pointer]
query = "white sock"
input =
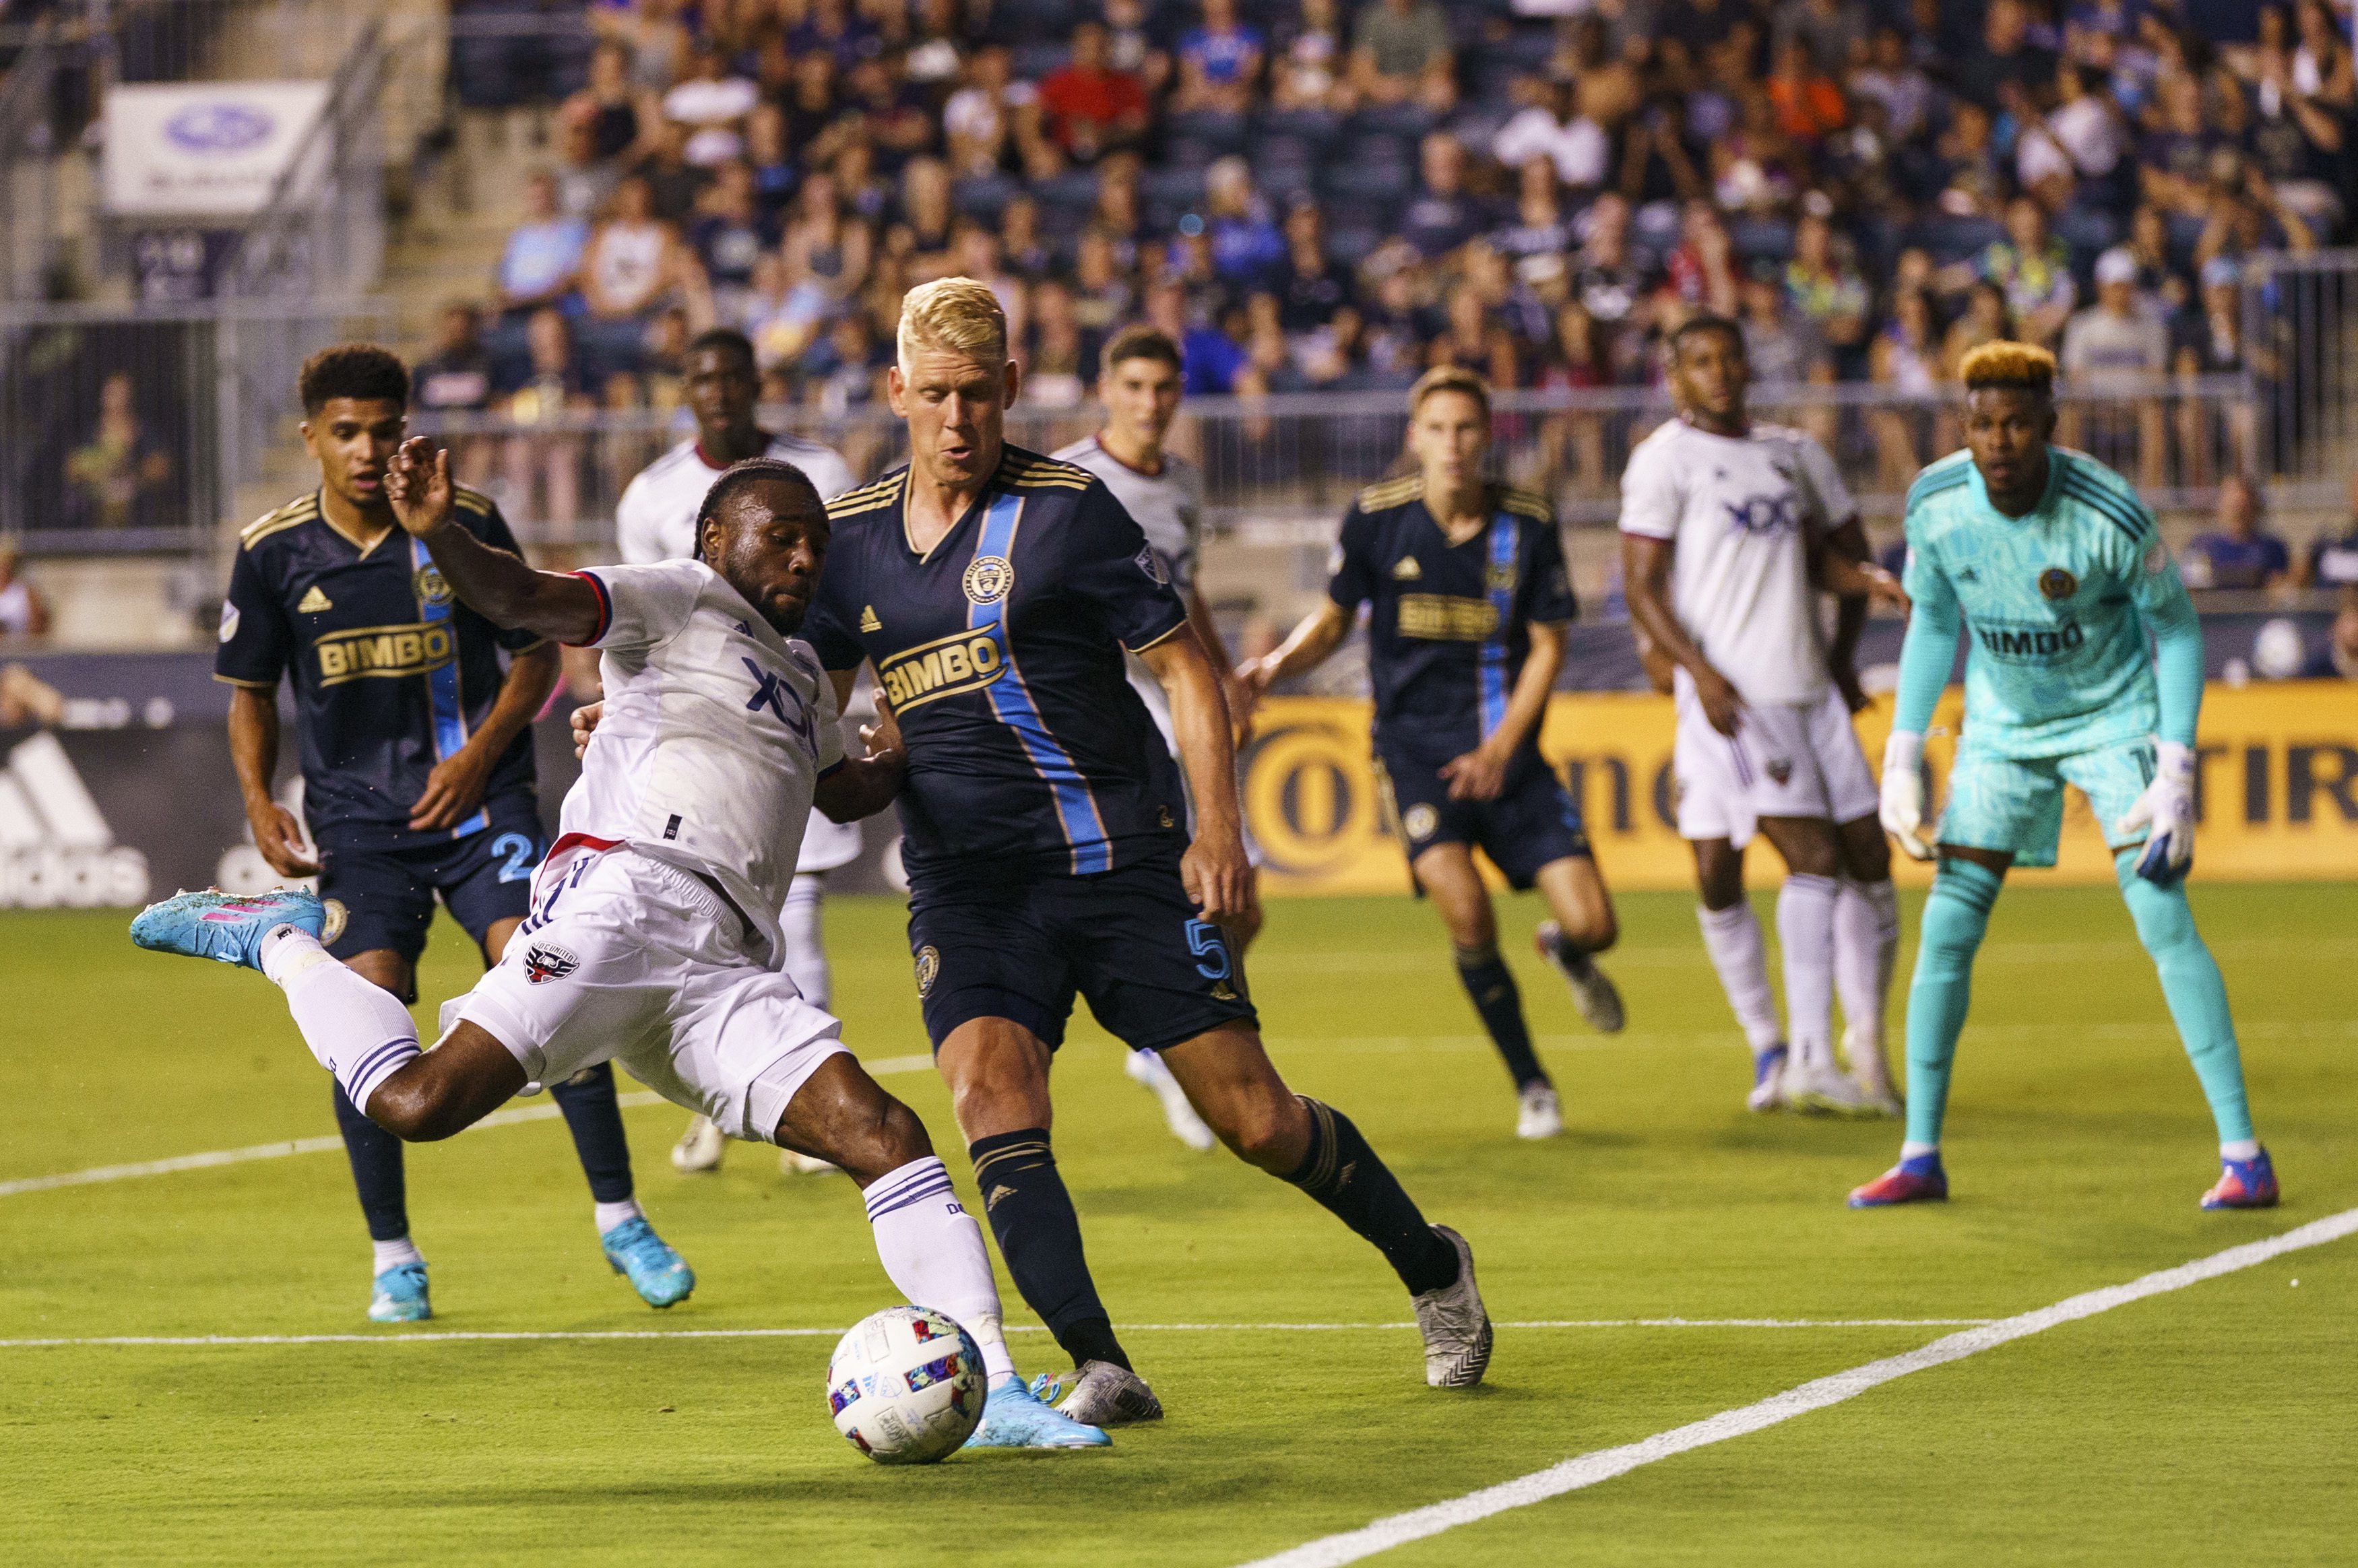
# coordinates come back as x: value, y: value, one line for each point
x: 611, y: 1215
x: 932, y: 1249
x: 1732, y: 936
x: 358, y: 1032
x: 806, y: 955
x: 1805, y: 930
x: 2241, y: 1149
x: 1148, y: 1068
x: 1866, y: 943
x: 394, y: 1254
x: 1915, y: 1150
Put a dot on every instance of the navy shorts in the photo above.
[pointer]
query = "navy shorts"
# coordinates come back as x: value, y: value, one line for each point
x: 385, y: 898
x: 1532, y: 824
x: 1128, y: 940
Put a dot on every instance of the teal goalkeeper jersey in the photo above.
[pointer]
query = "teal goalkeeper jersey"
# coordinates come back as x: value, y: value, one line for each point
x: 2056, y: 604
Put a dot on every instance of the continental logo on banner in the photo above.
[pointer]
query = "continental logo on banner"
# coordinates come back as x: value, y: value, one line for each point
x: 1442, y: 618
x: 389, y: 651
x: 967, y: 660
x: 2277, y: 790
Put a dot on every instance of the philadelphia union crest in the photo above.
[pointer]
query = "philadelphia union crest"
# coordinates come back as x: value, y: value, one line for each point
x: 2058, y: 584
x: 989, y: 580
x: 929, y: 965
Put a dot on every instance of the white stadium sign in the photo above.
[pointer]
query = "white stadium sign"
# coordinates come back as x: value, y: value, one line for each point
x: 203, y: 149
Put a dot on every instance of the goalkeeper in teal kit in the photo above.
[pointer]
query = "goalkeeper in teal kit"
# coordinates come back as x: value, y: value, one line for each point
x: 2058, y: 576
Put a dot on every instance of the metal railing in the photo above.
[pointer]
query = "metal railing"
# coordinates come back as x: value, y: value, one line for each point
x: 2300, y: 334
x: 1303, y: 456
x: 322, y: 229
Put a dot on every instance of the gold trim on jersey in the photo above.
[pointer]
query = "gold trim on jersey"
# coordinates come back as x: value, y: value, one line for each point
x: 363, y: 652
x: 1446, y: 618
x: 299, y: 511
x: 473, y: 500
x: 1391, y: 492
x: 1037, y: 473
x: 961, y: 662
x: 869, y: 497
x: 1525, y: 503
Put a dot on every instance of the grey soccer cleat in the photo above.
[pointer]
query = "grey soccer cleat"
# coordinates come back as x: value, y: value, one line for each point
x: 1593, y: 991
x: 1099, y: 1393
x: 1455, y: 1325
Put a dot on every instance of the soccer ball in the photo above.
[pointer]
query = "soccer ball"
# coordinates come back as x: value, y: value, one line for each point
x: 906, y: 1386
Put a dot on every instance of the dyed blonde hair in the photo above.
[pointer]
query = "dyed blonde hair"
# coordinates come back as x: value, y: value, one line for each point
x: 956, y: 315
x: 1449, y: 378
x: 2004, y: 363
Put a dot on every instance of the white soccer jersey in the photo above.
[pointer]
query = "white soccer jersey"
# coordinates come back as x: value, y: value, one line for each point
x: 716, y: 730
x: 655, y: 520
x: 1167, y: 507
x: 1735, y: 509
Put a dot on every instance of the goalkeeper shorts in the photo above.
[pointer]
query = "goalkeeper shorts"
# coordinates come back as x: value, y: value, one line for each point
x: 2016, y: 805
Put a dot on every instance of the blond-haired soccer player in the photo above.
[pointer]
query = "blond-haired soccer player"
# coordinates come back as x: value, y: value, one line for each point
x: 1046, y: 834
x: 1468, y: 602
x: 2083, y: 665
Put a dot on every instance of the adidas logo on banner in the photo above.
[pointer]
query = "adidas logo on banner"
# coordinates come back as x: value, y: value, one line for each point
x: 56, y: 850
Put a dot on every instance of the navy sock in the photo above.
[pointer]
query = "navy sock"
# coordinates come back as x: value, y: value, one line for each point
x: 1040, y: 1236
x: 377, y: 1175
x: 595, y: 1120
x: 1492, y: 985
x: 1351, y: 1183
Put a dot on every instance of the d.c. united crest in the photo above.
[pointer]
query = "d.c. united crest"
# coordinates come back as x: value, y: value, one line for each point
x: 546, y: 961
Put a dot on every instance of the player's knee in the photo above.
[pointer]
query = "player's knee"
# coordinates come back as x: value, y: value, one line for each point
x: 1266, y: 1131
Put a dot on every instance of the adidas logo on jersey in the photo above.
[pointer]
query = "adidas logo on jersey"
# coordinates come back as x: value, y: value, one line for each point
x: 1407, y: 570
x: 56, y: 850
x: 868, y: 622
x: 315, y: 603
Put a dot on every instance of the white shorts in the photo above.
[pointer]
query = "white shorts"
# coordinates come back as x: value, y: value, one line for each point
x: 1785, y: 760
x: 633, y: 961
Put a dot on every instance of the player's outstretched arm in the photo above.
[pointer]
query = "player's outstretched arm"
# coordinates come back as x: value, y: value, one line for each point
x: 494, y: 584
x: 865, y: 785
x: 1646, y: 581
x: 1321, y: 632
x: 1217, y: 874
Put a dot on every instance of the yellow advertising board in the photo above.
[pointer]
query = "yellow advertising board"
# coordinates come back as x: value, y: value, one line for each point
x: 2278, y: 789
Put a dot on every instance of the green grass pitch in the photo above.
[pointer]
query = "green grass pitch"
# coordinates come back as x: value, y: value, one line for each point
x: 2215, y: 1423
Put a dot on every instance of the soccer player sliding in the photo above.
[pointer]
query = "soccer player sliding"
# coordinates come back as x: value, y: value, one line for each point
x: 654, y: 937
x: 2049, y: 560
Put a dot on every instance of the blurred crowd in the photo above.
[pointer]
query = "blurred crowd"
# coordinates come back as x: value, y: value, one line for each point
x: 1338, y: 194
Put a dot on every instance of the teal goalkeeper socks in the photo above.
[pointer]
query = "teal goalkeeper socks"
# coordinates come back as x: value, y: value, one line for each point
x: 1955, y: 916
x: 2197, y: 996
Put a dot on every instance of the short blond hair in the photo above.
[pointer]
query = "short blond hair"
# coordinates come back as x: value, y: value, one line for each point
x: 959, y: 315
x: 2008, y: 363
x: 1449, y: 378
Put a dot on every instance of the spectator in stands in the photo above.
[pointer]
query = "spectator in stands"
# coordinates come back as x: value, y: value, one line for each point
x: 1809, y: 106
x: 2006, y: 69
x: 1904, y: 359
x: 2109, y: 347
x: 921, y: 230
x: 783, y: 311
x: 1131, y: 45
x: 634, y: 261
x: 2034, y: 268
x: 1833, y: 32
x: 543, y: 254
x: 544, y: 468
x: 2175, y: 158
x: 1104, y: 295
x: 1020, y: 243
x: 1219, y: 64
x: 1116, y: 212
x: 2337, y: 660
x: 456, y: 378
x: 1401, y: 53
x: 1537, y: 225
x: 2076, y: 149
x: 1986, y: 319
x: 1247, y: 250
x: 823, y: 245
x: 812, y: 129
x: 978, y: 120
x: 1609, y: 283
x: 2238, y: 553
x: 897, y: 118
x: 619, y: 115
x: 1891, y: 79
x: 1781, y: 349
x: 1548, y: 126
x: 1309, y: 285
x: 122, y: 477
x: 1308, y: 74
x: 2300, y: 138
x: 832, y: 28
x: 673, y: 183
x: 767, y: 154
x: 1701, y: 269
x: 1092, y: 107
x: 2332, y: 562
x: 1055, y: 371
x: 1823, y: 287
x: 712, y: 101
x: 730, y: 234
x: 1442, y: 216
x: 2207, y: 339
x: 24, y: 612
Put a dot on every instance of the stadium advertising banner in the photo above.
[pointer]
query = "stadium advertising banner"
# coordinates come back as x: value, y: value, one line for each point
x: 2277, y: 790
x: 205, y: 149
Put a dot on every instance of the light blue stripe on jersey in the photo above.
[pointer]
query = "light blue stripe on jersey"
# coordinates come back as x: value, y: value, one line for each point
x: 442, y: 686
x: 1077, y: 808
x: 1499, y: 581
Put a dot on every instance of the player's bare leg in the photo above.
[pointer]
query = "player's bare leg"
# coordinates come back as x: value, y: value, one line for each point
x: 1867, y: 948
x: 1231, y: 1080
x: 1446, y: 873
x: 1739, y: 955
x: 1812, y: 852
x: 1584, y: 925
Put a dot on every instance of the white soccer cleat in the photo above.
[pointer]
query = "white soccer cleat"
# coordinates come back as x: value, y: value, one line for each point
x: 1099, y: 1393
x: 792, y: 1164
x: 1455, y: 1325
x: 1147, y: 1068
x: 1825, y: 1091
x: 1593, y: 991
x: 1537, y: 1113
x: 1872, y: 1076
x: 700, y: 1148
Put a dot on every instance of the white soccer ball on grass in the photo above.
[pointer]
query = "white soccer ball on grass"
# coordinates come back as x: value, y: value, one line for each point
x: 906, y: 1386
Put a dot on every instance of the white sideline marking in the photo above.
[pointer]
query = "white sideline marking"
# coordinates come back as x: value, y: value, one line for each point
x: 429, y: 1337
x: 542, y: 1111
x: 1589, y: 1469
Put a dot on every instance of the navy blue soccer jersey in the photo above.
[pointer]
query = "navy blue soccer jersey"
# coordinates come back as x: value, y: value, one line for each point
x: 1450, y: 624
x: 391, y: 672
x: 1000, y: 652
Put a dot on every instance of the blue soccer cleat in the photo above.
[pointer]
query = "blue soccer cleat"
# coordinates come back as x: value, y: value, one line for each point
x: 400, y: 1296
x: 2244, y: 1183
x: 1011, y: 1417
x: 660, y: 1275
x: 1918, y: 1179
x: 213, y: 925
x: 1768, y: 1078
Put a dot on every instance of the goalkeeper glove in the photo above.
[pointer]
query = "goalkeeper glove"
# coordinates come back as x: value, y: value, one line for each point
x: 2164, y: 813
x: 1903, y: 792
